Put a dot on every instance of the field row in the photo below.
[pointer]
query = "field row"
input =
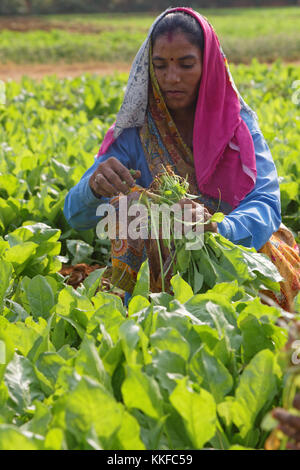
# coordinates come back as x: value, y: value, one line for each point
x: 267, y: 34
x: 178, y: 370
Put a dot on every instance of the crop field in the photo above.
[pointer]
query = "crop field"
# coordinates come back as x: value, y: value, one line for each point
x: 268, y: 34
x: 198, y: 368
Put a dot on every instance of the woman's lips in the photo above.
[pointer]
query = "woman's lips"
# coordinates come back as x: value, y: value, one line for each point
x: 175, y: 93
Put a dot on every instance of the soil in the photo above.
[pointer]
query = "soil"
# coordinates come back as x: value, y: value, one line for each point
x: 32, y: 23
x: 61, y: 70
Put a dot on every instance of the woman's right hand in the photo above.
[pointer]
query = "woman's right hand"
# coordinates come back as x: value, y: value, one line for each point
x: 111, y: 178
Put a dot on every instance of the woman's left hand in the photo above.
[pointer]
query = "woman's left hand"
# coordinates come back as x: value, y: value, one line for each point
x: 289, y: 424
x: 197, y: 209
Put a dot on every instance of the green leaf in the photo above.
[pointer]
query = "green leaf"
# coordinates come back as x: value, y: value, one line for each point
x: 213, y: 375
x: 217, y: 217
x: 92, y: 282
x: 22, y: 383
x: 219, y: 314
x: 130, y: 336
x: 54, y: 439
x: 182, y: 291
x: 40, y: 421
x: 142, y: 286
x: 20, y: 255
x: 256, y: 389
x: 183, y: 257
x: 258, y: 335
x: 165, y: 363
x: 108, y: 316
x: 80, y: 251
x: 168, y: 339
x: 49, y: 363
x: 136, y: 304
x: 88, y: 405
x: 11, y: 438
x: 40, y: 297
x: 5, y: 277
x: 88, y: 362
x: 128, y: 435
x: 198, y: 410
x: 142, y: 392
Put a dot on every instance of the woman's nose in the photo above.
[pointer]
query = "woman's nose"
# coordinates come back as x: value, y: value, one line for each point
x: 172, y: 74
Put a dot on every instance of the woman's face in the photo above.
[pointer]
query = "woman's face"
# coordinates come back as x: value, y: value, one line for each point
x: 178, y: 68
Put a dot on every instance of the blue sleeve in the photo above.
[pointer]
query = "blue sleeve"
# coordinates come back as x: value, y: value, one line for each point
x: 81, y: 204
x: 258, y: 216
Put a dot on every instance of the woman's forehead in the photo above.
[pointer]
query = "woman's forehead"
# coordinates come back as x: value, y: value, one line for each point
x: 175, y: 43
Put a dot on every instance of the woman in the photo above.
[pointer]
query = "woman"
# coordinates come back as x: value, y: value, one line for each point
x: 181, y: 107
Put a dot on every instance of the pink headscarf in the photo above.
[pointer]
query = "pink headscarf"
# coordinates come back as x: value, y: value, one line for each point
x: 224, y: 155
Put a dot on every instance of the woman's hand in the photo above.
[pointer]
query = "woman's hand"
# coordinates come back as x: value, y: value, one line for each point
x: 198, y: 209
x: 289, y: 424
x: 112, y: 178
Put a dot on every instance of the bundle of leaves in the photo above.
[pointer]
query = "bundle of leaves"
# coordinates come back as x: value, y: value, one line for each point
x: 217, y: 259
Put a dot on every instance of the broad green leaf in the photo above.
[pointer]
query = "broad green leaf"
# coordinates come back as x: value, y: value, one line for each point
x: 219, y: 315
x: 198, y: 410
x: 89, y: 404
x: 142, y: 286
x: 108, y: 316
x: 88, y: 362
x: 165, y: 363
x: 49, y: 363
x: 182, y: 291
x: 55, y: 439
x: 22, y: 383
x: 217, y: 217
x: 128, y: 436
x: 40, y: 421
x: 256, y: 389
x: 136, y: 304
x: 113, y: 300
x: 92, y: 281
x: 142, y: 392
x: 213, y: 375
x: 130, y: 336
x: 80, y: 251
x: 5, y: 277
x: 11, y: 438
x: 168, y: 339
x: 40, y: 297
x: 20, y: 255
x: 161, y: 298
x: 257, y: 309
x: 258, y: 335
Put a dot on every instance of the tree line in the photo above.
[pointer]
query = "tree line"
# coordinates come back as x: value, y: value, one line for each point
x: 22, y: 7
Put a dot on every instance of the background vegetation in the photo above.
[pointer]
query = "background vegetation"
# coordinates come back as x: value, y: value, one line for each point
x: 244, y: 33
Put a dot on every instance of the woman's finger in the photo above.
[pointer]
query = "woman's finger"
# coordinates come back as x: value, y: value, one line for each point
x: 286, y: 418
x: 113, y: 178
x: 293, y: 446
x: 296, y: 402
x: 124, y: 174
x: 101, y: 186
x: 287, y: 430
x: 137, y: 174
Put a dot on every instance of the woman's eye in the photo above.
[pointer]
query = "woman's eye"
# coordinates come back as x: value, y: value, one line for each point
x: 187, y: 66
x: 159, y: 67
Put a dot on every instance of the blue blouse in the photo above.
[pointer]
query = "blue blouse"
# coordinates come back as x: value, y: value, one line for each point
x: 251, y: 224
